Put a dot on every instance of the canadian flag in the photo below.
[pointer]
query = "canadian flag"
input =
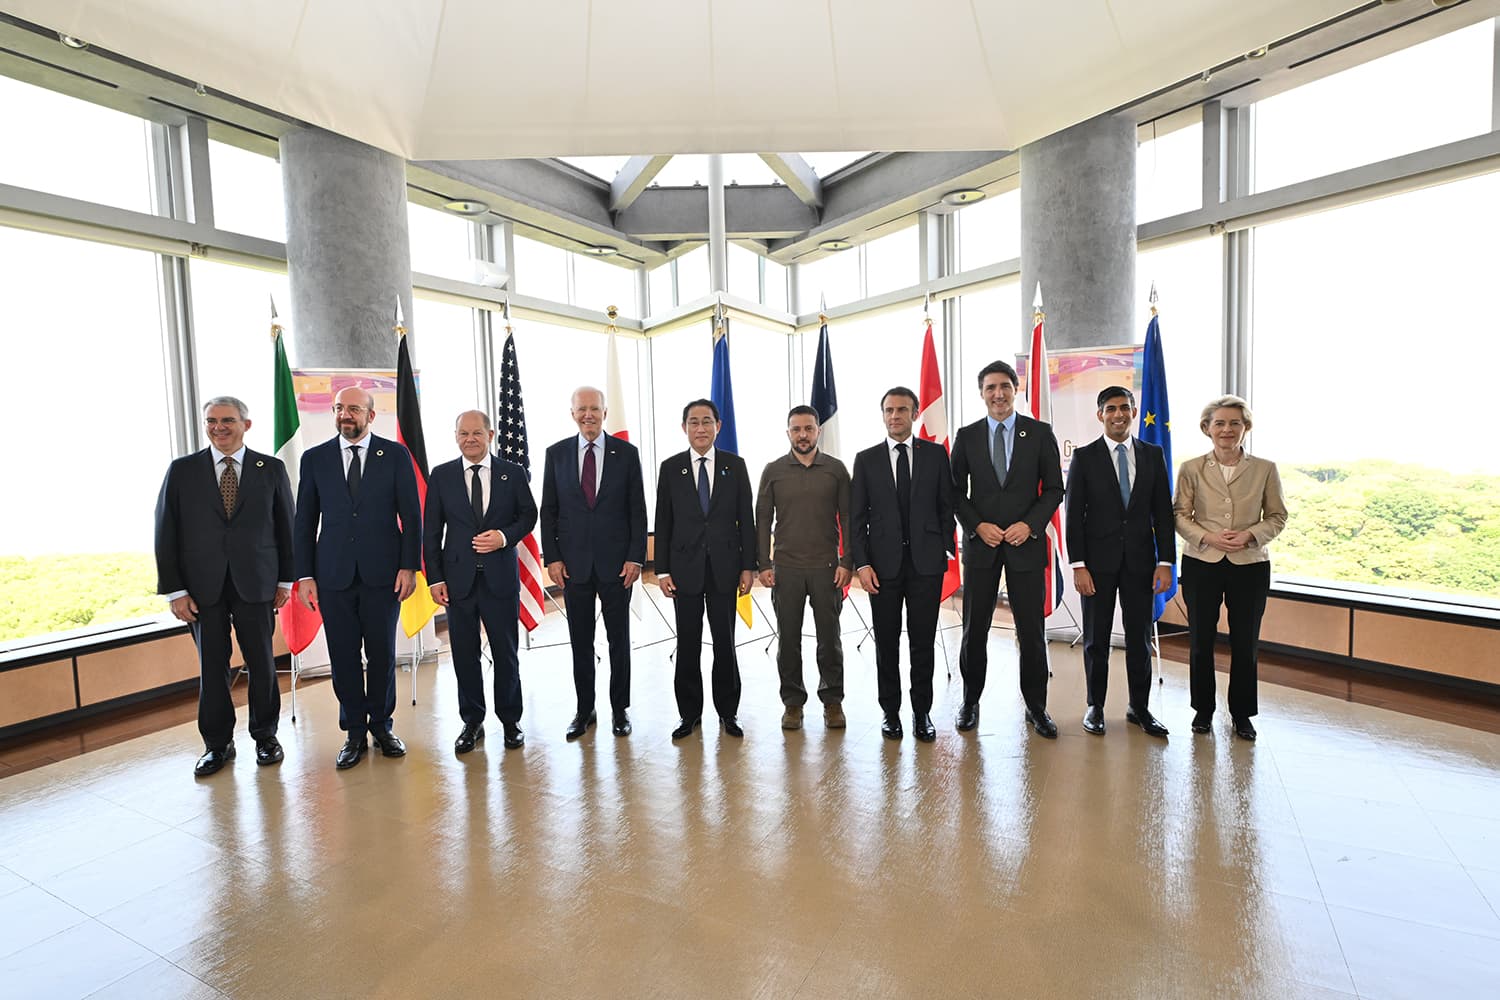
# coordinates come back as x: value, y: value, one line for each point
x: 1039, y: 395
x: 933, y: 426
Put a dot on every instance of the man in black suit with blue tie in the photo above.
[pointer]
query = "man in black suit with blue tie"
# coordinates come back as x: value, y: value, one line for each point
x: 479, y: 508
x: 902, y: 526
x: 594, y: 544
x: 1007, y: 481
x: 224, y: 557
x: 1121, y: 540
x: 359, y: 545
x: 705, y: 557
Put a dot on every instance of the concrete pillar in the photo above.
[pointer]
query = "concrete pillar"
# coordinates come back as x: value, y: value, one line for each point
x: 1078, y: 234
x: 718, y: 247
x: 347, y: 250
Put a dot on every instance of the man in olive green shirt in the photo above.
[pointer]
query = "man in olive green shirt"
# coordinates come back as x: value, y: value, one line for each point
x: 806, y: 494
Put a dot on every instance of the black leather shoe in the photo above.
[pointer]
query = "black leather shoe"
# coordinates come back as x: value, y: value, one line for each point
x: 890, y: 728
x: 685, y: 728
x: 268, y: 751
x: 1093, y: 720
x: 1148, y: 722
x: 1244, y: 729
x: 388, y: 744
x: 351, y: 753
x: 732, y: 726
x: 213, y: 760
x: 470, y: 736
x: 968, y: 717
x: 622, y: 726
x: 1203, y: 722
x: 922, y: 727
x: 1042, y: 723
x: 580, y: 725
x: 513, y: 735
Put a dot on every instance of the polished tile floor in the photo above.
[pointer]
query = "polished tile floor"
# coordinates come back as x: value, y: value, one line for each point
x: 1352, y: 851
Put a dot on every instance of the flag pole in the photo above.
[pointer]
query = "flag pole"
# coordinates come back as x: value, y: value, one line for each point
x: 416, y: 655
x: 276, y: 332
x: 1155, y: 630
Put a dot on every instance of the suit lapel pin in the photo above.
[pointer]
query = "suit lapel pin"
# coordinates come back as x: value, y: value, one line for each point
x: 379, y: 452
x: 503, y: 478
x: 683, y: 471
x: 1022, y: 433
x: 259, y: 465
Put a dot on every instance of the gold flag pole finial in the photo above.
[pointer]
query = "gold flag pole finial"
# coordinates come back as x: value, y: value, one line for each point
x: 275, y: 326
x: 400, y: 319
x: 613, y: 312
x: 505, y: 315
x: 1036, y: 304
x: 1152, y: 298
x: 927, y: 309
x: 823, y: 309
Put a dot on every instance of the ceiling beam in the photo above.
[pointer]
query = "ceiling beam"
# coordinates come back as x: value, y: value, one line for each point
x: 798, y: 176
x: 635, y: 177
x: 751, y: 211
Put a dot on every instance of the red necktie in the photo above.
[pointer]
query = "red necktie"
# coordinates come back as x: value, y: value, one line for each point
x: 589, y: 475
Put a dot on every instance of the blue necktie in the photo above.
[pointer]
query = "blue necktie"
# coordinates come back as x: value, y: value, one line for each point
x: 703, y: 484
x: 998, y: 455
x: 1124, y: 467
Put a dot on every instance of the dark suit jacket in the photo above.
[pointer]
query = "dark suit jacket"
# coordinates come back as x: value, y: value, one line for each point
x: 1032, y: 490
x: 379, y: 536
x: 1104, y: 534
x: 197, y: 545
x: 448, y: 526
x: 875, y: 516
x: 685, y: 537
x: 599, y: 541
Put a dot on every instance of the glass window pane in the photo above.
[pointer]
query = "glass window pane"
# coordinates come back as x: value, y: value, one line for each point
x: 891, y: 262
x: 990, y: 231
x: 659, y: 279
x: 441, y: 244
x: 692, y: 275
x: 65, y: 146
x: 1169, y: 174
x: 681, y: 370
x: 835, y: 276
x: 1398, y: 493
x: 1436, y: 92
x: 744, y: 272
x: 776, y: 285
x: 443, y: 354
x: 597, y: 285
x: 247, y: 192
x: 541, y: 270
x: 80, y: 562
x: 759, y: 365
x: 232, y: 338
x: 870, y: 354
x: 991, y: 329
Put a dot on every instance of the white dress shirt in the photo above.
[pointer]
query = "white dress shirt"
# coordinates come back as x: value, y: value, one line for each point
x: 598, y: 444
x: 892, y: 454
x: 484, y: 479
x: 346, y: 450
x: 693, y: 462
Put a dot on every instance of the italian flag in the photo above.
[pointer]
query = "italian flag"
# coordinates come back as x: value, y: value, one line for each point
x: 299, y: 623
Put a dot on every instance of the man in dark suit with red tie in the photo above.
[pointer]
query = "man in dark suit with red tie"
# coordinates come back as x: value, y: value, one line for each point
x: 594, y: 544
x: 359, y: 545
x: 902, y: 526
x: 1007, y: 478
x: 705, y: 557
x: 1121, y: 540
x: 224, y: 557
x: 479, y: 508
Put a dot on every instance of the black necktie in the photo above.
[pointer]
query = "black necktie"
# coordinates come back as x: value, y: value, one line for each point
x: 476, y: 492
x: 903, y: 490
x: 703, y: 495
x: 353, y: 475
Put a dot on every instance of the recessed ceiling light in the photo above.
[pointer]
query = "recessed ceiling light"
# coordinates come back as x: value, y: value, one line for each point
x: 71, y: 42
x: 1444, y: 3
x: 834, y: 246
x: 600, y: 251
x: 1259, y: 53
x: 466, y: 206
x: 963, y: 196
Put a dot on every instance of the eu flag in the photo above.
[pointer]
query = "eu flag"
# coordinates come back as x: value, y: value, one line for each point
x: 1156, y: 422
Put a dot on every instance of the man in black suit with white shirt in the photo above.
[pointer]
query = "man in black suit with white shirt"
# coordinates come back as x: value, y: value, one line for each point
x: 705, y: 558
x: 901, y: 512
x: 224, y: 557
x: 1121, y: 540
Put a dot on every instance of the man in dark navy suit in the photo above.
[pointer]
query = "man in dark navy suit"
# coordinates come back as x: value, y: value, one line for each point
x: 902, y: 519
x: 1121, y: 540
x: 1007, y: 478
x: 479, y: 508
x: 359, y: 545
x: 594, y: 544
x: 224, y: 556
x: 705, y: 557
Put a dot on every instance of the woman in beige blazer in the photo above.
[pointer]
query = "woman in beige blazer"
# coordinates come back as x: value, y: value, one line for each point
x: 1228, y: 508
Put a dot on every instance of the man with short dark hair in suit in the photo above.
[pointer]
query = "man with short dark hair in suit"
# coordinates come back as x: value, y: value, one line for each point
x: 479, y: 508
x: 594, y: 544
x: 359, y: 545
x: 1007, y: 477
x: 1121, y: 540
x: 902, y: 525
x: 705, y: 556
x: 224, y: 557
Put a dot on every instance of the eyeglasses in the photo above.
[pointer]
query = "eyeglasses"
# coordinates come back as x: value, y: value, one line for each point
x: 353, y: 409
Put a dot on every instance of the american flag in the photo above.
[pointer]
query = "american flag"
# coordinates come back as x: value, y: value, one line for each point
x: 510, y: 437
